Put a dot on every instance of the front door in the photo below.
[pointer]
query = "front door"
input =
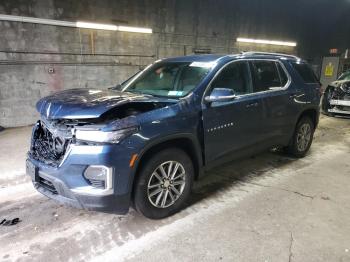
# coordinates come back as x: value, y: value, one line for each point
x: 234, y: 125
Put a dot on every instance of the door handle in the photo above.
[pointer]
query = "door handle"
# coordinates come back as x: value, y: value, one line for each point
x: 293, y: 96
x: 255, y: 104
x: 297, y: 95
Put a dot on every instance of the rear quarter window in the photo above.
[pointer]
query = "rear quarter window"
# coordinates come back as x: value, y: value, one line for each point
x: 306, y: 73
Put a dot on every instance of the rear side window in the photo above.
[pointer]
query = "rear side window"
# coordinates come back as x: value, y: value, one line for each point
x: 305, y: 73
x: 267, y: 75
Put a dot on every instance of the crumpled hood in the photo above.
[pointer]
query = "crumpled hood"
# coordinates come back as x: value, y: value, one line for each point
x: 342, y: 86
x: 87, y: 103
x: 338, y: 83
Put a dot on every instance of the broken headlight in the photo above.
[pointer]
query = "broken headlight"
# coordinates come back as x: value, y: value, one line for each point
x: 104, y: 136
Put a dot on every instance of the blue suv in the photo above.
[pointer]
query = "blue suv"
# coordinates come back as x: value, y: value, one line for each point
x: 144, y: 142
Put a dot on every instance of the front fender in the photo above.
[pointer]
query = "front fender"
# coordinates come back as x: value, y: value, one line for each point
x: 168, y: 139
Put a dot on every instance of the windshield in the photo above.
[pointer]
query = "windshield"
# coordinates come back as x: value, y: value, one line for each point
x: 171, y: 79
x: 345, y: 76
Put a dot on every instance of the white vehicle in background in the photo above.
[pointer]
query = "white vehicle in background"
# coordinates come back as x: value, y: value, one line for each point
x: 336, y: 97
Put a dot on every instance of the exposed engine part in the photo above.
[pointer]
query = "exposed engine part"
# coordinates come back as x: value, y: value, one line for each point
x: 130, y: 109
x: 47, y: 147
x: 62, y: 127
x: 51, y: 138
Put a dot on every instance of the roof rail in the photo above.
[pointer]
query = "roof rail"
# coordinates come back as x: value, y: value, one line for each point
x: 267, y: 53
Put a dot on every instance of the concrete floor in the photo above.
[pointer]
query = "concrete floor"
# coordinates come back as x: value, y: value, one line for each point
x: 266, y: 208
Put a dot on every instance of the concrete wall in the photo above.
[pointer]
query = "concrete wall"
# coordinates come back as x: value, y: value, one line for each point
x: 36, y: 60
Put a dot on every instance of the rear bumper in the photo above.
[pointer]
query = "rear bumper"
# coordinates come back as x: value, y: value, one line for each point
x: 67, y: 185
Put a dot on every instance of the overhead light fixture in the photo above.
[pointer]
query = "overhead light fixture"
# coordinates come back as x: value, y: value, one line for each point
x: 135, y: 29
x: 96, y: 26
x: 266, y: 42
x: 131, y: 29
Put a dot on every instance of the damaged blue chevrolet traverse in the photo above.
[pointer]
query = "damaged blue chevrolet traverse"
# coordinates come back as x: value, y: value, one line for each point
x: 144, y: 142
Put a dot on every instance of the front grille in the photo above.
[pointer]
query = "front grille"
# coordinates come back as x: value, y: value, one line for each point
x: 47, y: 185
x: 47, y: 147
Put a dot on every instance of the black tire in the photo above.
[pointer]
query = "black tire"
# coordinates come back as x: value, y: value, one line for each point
x: 325, y: 102
x: 143, y: 203
x: 293, y: 148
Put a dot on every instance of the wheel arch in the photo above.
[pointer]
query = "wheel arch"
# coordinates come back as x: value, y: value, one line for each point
x: 312, y: 113
x: 186, y: 142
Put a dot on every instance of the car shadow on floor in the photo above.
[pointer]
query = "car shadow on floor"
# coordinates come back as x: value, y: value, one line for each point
x: 238, y: 172
x: 49, y: 216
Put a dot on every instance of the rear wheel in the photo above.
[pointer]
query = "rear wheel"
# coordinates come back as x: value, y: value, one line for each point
x: 164, y: 184
x: 302, y: 137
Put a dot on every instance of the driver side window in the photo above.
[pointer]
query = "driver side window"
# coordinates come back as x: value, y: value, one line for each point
x: 234, y: 76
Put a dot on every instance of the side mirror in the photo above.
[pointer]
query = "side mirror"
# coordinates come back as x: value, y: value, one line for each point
x: 220, y: 95
x: 117, y: 87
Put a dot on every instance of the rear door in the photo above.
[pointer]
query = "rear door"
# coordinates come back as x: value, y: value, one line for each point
x: 234, y: 125
x: 272, y: 81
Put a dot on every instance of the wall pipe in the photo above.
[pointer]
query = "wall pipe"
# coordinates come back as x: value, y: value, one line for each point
x: 33, y: 20
x: 78, y: 24
x: 71, y: 53
x: 36, y: 62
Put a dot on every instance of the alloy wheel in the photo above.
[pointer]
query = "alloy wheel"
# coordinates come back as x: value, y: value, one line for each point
x: 166, y: 184
x: 303, y: 137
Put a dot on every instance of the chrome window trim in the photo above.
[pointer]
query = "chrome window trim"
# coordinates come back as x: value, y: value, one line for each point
x: 276, y: 89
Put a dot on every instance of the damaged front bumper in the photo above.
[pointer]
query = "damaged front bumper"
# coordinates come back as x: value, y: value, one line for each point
x: 67, y: 184
x: 339, y: 106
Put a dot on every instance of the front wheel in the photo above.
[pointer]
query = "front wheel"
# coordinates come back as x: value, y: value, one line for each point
x: 164, y: 184
x: 302, y: 137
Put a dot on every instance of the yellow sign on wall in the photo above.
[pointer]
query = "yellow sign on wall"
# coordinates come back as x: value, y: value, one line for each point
x: 329, y: 70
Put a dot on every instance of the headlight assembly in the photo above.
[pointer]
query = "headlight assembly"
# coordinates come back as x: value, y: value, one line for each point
x: 104, y: 137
